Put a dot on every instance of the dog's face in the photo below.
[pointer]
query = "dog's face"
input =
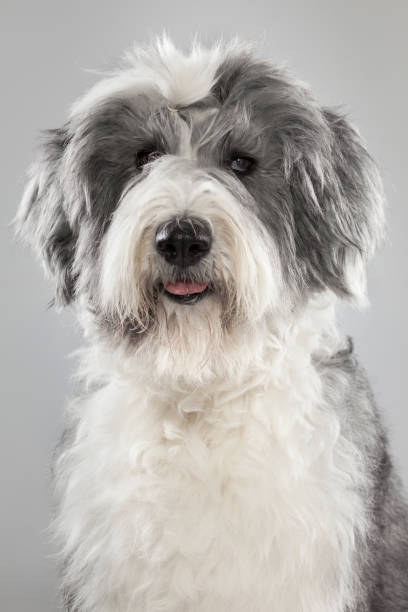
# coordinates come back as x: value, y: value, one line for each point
x: 190, y: 195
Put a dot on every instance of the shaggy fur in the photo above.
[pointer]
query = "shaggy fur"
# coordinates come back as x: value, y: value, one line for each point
x: 226, y: 454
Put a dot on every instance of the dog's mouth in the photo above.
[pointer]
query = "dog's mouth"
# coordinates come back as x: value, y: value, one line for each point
x: 186, y: 292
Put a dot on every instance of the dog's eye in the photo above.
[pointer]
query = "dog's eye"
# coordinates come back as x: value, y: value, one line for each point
x: 146, y: 157
x: 242, y: 164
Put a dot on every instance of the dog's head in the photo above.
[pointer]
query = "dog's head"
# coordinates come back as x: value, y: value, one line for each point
x: 189, y: 195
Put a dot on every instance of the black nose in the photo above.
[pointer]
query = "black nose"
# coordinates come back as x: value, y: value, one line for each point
x: 183, y: 242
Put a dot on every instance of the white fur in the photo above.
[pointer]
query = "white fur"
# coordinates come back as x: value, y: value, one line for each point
x: 242, y: 257
x: 162, y: 69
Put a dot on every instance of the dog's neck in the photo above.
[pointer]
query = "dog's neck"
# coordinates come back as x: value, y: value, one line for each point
x: 260, y: 354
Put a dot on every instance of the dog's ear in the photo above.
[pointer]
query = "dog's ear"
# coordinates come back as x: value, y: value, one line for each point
x: 42, y: 219
x: 338, y: 205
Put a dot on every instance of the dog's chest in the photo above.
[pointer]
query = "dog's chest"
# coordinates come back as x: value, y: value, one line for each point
x: 235, y: 506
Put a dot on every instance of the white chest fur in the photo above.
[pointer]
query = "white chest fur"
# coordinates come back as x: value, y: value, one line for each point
x: 238, y: 499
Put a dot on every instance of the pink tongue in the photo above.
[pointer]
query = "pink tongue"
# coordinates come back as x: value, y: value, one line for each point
x: 184, y: 288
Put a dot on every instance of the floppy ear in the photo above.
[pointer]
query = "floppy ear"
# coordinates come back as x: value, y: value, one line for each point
x: 339, y: 204
x: 42, y: 219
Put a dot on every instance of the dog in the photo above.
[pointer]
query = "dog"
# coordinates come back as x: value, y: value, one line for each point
x: 203, y: 214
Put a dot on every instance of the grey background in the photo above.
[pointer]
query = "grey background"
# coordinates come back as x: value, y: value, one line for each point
x: 352, y: 52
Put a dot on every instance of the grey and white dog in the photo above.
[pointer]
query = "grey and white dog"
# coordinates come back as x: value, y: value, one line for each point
x: 204, y: 214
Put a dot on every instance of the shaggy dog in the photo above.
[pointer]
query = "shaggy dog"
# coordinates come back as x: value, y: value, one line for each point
x: 204, y: 215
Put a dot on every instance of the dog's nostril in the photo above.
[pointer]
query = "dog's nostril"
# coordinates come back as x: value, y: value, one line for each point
x: 196, y: 248
x: 183, y: 242
x: 167, y: 249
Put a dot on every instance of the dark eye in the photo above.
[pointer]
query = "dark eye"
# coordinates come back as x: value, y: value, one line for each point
x: 242, y: 164
x: 146, y: 157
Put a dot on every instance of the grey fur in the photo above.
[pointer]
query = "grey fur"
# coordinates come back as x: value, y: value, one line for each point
x: 317, y: 187
x: 314, y: 187
x: 383, y: 559
x: 43, y: 219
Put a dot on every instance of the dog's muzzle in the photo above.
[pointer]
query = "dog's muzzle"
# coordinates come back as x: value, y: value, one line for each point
x: 184, y: 242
